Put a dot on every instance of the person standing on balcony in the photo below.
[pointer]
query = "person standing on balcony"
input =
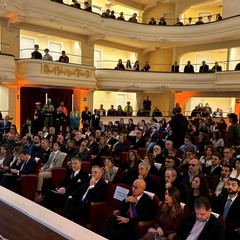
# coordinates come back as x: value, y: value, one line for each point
x: 87, y: 7
x: 64, y: 58
x: 133, y: 18
x: 128, y: 109
x: 152, y: 21
x: 189, y: 68
x: 175, y: 67
x: 200, y: 21
x: 47, y: 56
x: 146, y: 67
x: 237, y: 68
x: 204, y: 68
x: 121, y: 17
x: 36, y: 54
x: 216, y: 68
x: 147, y: 106
x: 120, y: 65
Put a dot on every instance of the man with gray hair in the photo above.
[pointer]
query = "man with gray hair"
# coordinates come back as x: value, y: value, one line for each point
x: 143, y: 173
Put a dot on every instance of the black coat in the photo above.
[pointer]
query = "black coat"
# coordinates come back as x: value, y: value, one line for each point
x: 212, y: 230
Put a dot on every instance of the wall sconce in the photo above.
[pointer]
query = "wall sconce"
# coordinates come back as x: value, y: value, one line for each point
x: 134, y: 86
x: 164, y: 86
x: 56, y: 20
x: 3, y: 77
x: 3, y: 5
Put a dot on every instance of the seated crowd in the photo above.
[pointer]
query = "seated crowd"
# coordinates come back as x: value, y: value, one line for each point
x: 185, y: 167
x: 135, y: 67
x: 162, y: 21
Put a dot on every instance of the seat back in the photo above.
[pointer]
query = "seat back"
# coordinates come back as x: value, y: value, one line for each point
x: 219, y: 217
x: 39, y: 163
x: 141, y: 152
x: 58, y: 174
x: 65, y: 161
x: 86, y: 166
x: 185, y: 209
x: 28, y: 186
x: 118, y: 177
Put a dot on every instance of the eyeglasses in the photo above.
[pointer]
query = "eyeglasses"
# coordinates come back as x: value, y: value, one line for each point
x: 193, y: 165
x: 83, y: 145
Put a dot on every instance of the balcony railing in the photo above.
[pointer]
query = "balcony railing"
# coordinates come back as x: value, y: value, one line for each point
x: 73, y: 58
x: 155, y: 67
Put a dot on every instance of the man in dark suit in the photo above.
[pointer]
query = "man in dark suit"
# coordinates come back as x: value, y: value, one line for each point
x: 86, y: 117
x: 110, y: 139
x: 134, y: 208
x: 138, y: 141
x: 189, y: 68
x: 94, y: 190
x: 74, y: 179
x: 219, y: 184
x: 95, y: 119
x: 228, y: 206
x: 27, y: 128
x: 215, y: 169
x: 28, y: 167
x: 179, y: 125
x: 204, y: 68
x: 5, y: 125
x: 175, y: 67
x: 202, y: 225
x: 147, y: 106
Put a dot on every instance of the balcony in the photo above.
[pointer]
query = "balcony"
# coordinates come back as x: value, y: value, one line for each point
x: 67, y: 19
x: 7, y: 68
x: 160, y: 81
x: 49, y: 73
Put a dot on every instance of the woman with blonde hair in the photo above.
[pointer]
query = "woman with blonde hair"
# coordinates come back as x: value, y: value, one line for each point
x: 99, y: 151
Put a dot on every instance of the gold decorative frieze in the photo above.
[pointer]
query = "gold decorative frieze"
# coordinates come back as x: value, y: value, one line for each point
x: 65, y: 71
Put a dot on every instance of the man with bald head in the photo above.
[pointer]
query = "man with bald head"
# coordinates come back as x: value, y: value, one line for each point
x: 136, y: 207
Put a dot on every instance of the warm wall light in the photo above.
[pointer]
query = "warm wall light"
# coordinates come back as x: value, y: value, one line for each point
x: 56, y: 20
x: 3, y: 5
x: 3, y: 77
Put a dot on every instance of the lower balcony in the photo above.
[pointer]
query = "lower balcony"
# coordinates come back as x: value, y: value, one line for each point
x: 49, y: 73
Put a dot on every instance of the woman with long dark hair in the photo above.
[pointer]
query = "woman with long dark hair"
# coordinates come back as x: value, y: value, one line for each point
x: 169, y: 218
x: 199, y: 188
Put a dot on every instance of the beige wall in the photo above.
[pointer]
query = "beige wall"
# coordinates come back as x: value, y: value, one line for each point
x: 214, y: 103
x: 214, y: 55
x: 161, y: 59
x: 110, y: 56
x: 234, y: 54
x: 158, y: 12
x: 128, y: 11
x: 4, y: 100
x: 108, y: 98
x: 231, y: 8
x: 69, y: 45
x: 12, y: 38
x: 194, y: 13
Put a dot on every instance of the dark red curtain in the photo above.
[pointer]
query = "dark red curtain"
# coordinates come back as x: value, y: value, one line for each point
x: 31, y: 95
